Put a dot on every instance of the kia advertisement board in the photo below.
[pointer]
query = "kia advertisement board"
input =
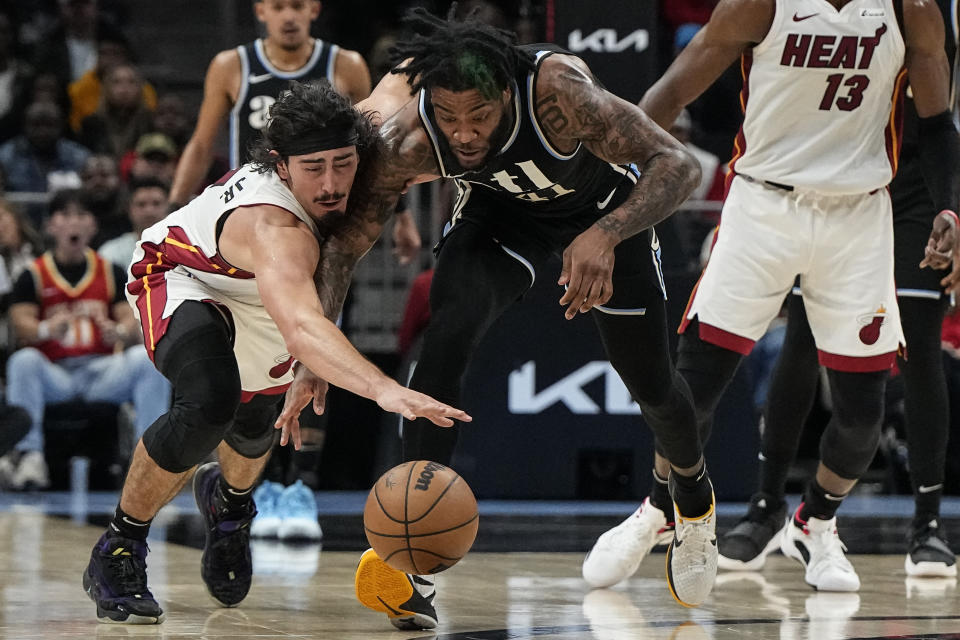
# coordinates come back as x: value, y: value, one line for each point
x: 615, y: 37
x: 552, y: 419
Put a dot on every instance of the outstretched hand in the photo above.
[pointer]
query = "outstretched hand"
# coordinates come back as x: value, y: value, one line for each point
x: 305, y: 387
x: 413, y: 404
x: 943, y: 249
x: 587, y: 272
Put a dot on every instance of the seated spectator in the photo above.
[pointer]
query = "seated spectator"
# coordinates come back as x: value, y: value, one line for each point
x: 122, y: 116
x: 170, y: 118
x: 155, y: 156
x: 105, y: 196
x: 86, y: 93
x: 147, y: 205
x: 83, y: 342
x: 68, y: 48
x: 16, y: 81
x: 41, y: 159
x: 19, y: 245
x: 19, y: 241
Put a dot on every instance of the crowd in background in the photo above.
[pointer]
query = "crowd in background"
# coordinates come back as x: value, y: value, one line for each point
x: 81, y: 124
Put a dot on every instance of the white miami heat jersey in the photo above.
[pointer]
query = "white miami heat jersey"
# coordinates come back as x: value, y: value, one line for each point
x: 177, y: 260
x: 822, y: 98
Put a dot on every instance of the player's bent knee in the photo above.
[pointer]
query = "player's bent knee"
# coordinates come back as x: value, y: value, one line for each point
x: 252, y: 434
x: 180, y: 440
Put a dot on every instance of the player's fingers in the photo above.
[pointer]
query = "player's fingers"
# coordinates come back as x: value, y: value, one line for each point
x: 565, y: 270
x: 593, y: 297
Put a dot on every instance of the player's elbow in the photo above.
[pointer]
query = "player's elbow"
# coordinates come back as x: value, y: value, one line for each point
x: 687, y: 170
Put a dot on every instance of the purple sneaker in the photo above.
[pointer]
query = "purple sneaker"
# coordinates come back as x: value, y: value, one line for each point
x: 226, y: 566
x: 116, y: 579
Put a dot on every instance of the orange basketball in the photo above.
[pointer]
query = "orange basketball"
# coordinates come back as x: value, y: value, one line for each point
x: 421, y: 517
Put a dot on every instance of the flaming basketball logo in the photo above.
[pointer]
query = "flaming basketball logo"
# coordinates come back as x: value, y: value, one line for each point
x: 283, y: 365
x: 870, y: 331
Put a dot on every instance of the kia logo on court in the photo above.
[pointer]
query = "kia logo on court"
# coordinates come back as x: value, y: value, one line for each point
x: 606, y: 40
x: 523, y: 397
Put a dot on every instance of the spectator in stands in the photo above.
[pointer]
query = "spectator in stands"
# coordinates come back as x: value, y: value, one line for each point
x: 19, y: 241
x: 47, y: 88
x: 16, y: 80
x: 104, y: 195
x: 69, y: 48
x: 42, y: 159
x: 155, y: 156
x: 147, y: 205
x: 82, y: 340
x: 86, y: 93
x: 123, y: 115
x: 170, y: 118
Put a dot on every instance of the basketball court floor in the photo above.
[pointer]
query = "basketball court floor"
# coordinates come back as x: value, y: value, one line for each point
x: 493, y: 594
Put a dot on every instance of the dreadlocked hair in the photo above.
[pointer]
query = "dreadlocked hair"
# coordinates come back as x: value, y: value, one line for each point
x: 307, y: 108
x: 458, y: 56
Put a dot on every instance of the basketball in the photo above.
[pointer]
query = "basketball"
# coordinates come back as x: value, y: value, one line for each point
x: 421, y: 517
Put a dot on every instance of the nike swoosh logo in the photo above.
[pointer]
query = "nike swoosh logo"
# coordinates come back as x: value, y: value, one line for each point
x: 797, y: 18
x: 923, y: 489
x: 602, y: 203
x: 263, y: 77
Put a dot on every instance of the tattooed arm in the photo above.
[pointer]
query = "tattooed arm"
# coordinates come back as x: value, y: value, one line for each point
x: 406, y: 158
x: 575, y: 109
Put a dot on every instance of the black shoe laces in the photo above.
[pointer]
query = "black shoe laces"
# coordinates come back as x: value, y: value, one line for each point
x: 129, y: 574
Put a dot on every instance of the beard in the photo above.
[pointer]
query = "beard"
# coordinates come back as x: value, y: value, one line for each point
x: 496, y: 142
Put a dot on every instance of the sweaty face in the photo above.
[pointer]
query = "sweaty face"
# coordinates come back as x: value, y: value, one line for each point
x: 288, y: 21
x: 472, y: 125
x: 321, y: 181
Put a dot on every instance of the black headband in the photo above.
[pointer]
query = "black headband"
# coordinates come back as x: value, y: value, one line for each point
x: 319, y: 140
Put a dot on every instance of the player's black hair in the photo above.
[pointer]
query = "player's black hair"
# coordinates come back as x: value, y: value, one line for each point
x: 314, y: 110
x: 458, y: 56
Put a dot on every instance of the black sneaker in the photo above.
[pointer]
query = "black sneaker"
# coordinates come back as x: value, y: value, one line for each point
x: 746, y: 546
x: 116, y: 579
x: 928, y: 553
x: 226, y: 566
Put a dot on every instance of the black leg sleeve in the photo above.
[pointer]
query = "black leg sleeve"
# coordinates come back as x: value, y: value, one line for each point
x: 475, y: 281
x: 927, y: 407
x: 639, y: 349
x: 793, y: 390
x: 708, y: 369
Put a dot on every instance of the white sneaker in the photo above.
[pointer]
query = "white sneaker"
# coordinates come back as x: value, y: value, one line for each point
x: 8, y: 468
x: 692, y: 556
x: 31, y: 472
x: 266, y: 523
x: 817, y: 546
x: 617, y: 553
x: 297, y: 509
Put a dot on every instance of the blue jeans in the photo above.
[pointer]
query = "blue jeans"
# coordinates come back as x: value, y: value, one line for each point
x: 33, y: 381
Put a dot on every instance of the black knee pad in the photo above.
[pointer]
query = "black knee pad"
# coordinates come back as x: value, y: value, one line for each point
x: 206, y: 397
x: 252, y: 434
x: 850, y: 440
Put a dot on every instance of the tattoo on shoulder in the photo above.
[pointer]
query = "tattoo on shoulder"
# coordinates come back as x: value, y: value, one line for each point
x: 550, y: 114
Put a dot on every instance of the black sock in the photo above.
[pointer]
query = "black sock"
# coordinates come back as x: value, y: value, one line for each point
x: 231, y: 498
x: 125, y: 525
x: 693, y: 495
x: 819, y: 503
x: 660, y: 496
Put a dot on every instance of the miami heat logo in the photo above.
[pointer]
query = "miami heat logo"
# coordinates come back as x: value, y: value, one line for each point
x: 283, y: 365
x: 870, y: 325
